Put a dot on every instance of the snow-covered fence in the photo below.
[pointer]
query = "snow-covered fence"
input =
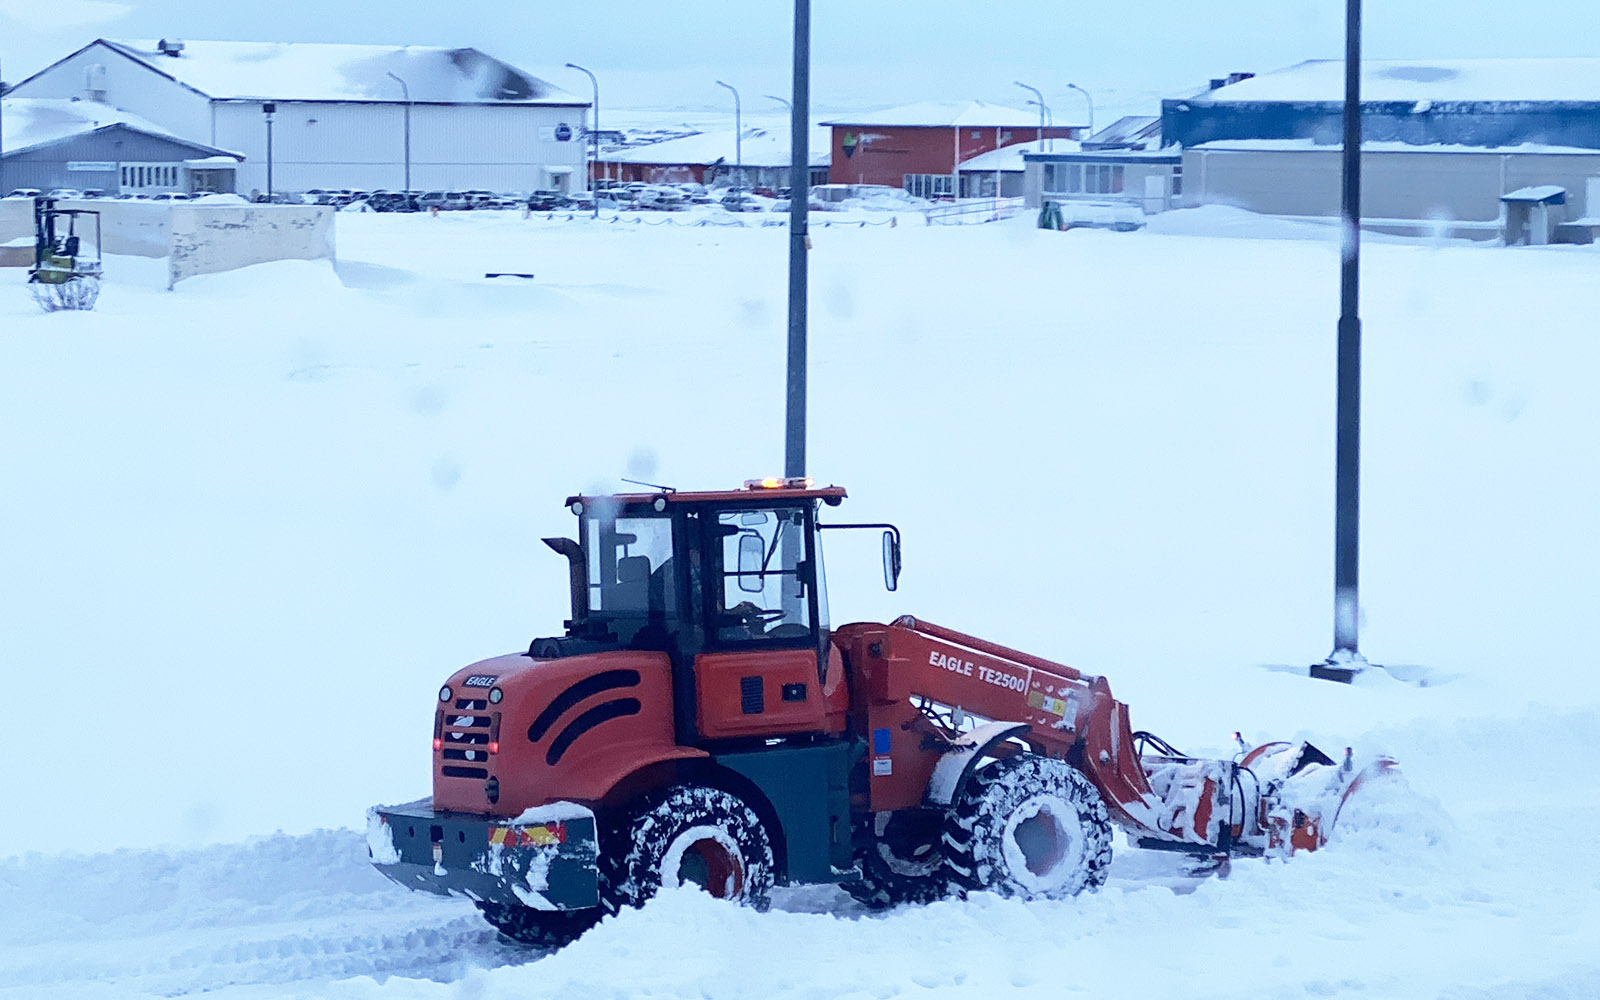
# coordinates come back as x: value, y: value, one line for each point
x: 206, y: 239
x: 972, y: 213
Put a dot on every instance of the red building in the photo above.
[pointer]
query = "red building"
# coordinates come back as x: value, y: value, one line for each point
x: 920, y: 147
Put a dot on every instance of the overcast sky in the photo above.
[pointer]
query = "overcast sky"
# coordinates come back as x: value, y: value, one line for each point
x: 866, y: 53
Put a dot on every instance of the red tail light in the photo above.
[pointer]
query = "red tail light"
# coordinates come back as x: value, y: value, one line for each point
x: 494, y: 746
x: 438, y: 744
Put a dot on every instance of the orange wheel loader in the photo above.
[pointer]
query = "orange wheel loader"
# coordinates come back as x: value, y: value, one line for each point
x: 701, y: 720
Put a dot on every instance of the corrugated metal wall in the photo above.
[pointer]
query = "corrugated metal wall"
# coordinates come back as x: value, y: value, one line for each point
x: 493, y: 147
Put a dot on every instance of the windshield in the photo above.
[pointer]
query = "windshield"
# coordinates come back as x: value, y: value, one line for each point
x: 765, y: 568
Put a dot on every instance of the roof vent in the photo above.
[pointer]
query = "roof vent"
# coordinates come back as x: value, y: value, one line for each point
x: 171, y: 48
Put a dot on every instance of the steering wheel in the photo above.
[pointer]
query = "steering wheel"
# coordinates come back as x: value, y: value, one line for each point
x: 753, y: 617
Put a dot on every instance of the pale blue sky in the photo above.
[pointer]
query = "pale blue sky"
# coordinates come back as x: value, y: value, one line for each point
x: 867, y: 53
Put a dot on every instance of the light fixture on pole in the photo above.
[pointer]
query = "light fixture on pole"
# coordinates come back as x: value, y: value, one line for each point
x: 738, y: 138
x: 781, y: 100
x: 595, y: 132
x: 1043, y: 110
x: 1085, y: 93
x: 406, y: 91
x: 268, y: 109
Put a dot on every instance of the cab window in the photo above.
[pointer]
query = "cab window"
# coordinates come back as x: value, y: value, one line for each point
x: 630, y: 565
x: 765, y: 592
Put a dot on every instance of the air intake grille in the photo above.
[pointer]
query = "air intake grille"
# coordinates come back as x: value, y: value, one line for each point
x: 465, y: 733
x: 751, y: 698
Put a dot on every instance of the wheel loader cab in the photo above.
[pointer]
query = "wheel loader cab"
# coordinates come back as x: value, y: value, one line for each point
x: 730, y: 586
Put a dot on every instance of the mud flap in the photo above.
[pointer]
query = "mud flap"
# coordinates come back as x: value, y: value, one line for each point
x: 547, y: 859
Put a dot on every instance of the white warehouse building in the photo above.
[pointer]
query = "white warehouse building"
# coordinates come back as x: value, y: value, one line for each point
x: 340, y: 111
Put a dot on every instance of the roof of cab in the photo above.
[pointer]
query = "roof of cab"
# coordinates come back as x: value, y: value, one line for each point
x: 830, y: 495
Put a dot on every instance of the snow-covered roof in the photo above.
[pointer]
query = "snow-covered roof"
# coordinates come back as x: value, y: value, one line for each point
x: 306, y: 71
x: 39, y: 121
x: 1540, y: 192
x: 1387, y: 146
x: 1009, y: 158
x: 948, y: 114
x: 761, y: 148
x: 1423, y: 80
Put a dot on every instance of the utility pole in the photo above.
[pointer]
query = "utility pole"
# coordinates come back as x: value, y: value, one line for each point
x: 267, y: 110
x: 1346, y: 660
x: 1085, y: 93
x: 406, y: 91
x: 794, y: 452
x: 596, y: 132
x: 738, y: 137
x: 1039, y: 99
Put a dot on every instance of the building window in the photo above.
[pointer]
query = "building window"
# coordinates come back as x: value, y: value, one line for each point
x: 1177, y: 180
x: 929, y: 185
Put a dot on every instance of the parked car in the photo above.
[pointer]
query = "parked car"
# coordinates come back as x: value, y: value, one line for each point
x: 94, y: 192
x: 615, y: 198
x: 25, y: 193
x: 661, y: 198
x: 133, y: 196
x: 172, y: 196
x: 581, y: 200
x: 743, y: 201
x: 545, y: 201
x: 456, y: 201
x: 65, y: 194
x: 433, y: 199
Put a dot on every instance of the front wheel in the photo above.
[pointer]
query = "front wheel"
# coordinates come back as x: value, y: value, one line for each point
x: 1030, y: 827
x: 691, y: 835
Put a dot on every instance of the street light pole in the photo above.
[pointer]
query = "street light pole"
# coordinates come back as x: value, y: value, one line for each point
x: 1039, y: 99
x: 1050, y: 122
x: 268, y: 108
x: 794, y: 439
x: 1085, y: 93
x: 596, y: 132
x: 738, y: 136
x: 406, y: 91
x: 1346, y: 660
x: 781, y: 100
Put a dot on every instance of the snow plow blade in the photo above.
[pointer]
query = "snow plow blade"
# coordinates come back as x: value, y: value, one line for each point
x: 1302, y: 792
x: 546, y: 859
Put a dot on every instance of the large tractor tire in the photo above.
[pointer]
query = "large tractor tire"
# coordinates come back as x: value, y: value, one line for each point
x: 689, y: 834
x: 539, y: 928
x: 901, y: 859
x: 1029, y: 827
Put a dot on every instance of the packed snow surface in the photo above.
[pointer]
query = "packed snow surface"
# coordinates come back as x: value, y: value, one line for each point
x: 253, y: 524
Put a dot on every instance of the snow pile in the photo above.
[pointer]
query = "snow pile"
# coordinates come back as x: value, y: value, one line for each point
x: 256, y: 521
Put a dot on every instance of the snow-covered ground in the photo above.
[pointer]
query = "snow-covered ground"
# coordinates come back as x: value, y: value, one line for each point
x: 249, y: 525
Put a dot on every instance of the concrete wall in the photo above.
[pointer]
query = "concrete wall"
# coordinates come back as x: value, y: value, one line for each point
x: 503, y: 147
x: 207, y: 239
x: 1394, y: 185
x: 197, y: 239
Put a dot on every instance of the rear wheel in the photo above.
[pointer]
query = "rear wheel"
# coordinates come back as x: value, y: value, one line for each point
x: 1030, y: 827
x: 690, y: 835
x: 540, y: 928
x: 900, y: 859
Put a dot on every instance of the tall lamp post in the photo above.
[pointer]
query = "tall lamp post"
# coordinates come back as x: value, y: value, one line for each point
x: 268, y: 109
x: 794, y: 438
x: 1085, y: 93
x: 1050, y: 122
x: 1346, y: 660
x: 406, y: 92
x: 738, y: 136
x: 595, y: 132
x: 1039, y: 100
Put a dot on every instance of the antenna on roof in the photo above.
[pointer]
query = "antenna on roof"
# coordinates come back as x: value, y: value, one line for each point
x: 654, y: 486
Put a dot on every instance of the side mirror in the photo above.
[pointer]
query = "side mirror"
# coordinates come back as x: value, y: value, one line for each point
x: 891, y: 560
x: 752, y: 554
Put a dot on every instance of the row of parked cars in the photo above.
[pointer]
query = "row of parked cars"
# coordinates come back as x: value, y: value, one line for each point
x: 89, y: 194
